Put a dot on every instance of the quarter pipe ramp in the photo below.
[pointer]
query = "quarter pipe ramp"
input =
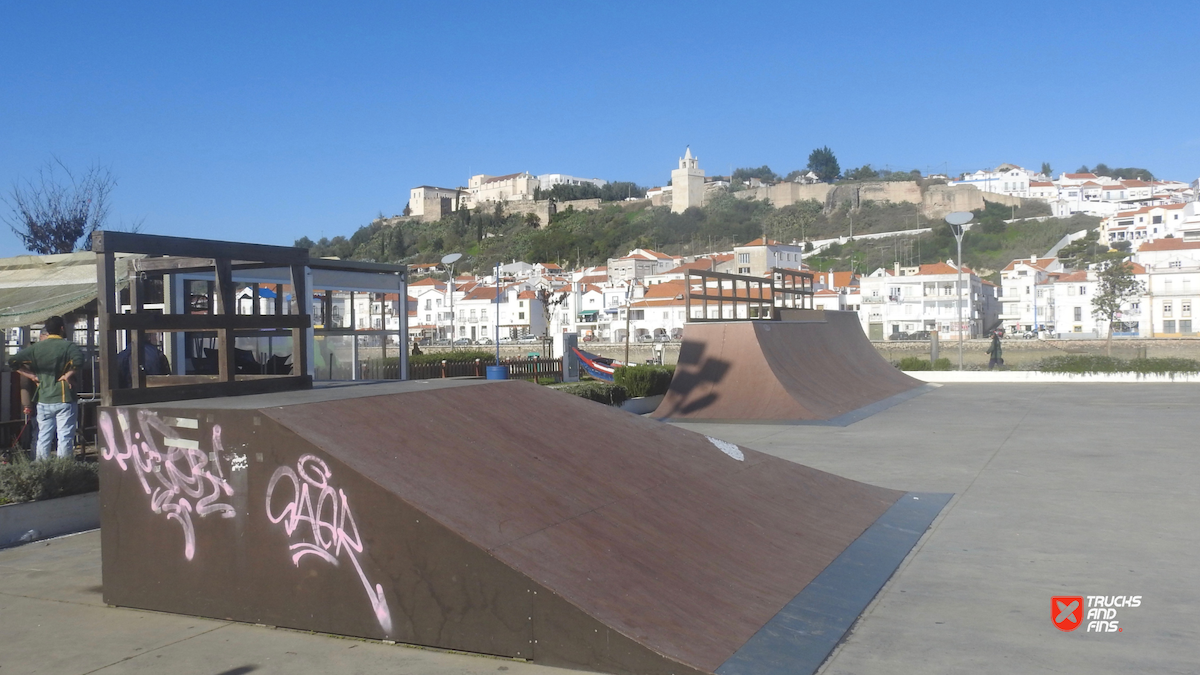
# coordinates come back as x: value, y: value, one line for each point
x: 811, y: 370
x: 492, y: 517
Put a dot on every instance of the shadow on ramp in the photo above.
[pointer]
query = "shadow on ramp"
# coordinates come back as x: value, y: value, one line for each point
x: 823, y: 370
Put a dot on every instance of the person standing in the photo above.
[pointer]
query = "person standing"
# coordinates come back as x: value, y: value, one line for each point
x: 996, y: 351
x: 52, y: 363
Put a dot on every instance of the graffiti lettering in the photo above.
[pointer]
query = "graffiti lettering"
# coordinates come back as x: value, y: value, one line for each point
x: 174, y: 471
x: 328, y: 530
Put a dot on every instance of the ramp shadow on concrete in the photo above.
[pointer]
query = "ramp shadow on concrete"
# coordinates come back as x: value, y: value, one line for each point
x: 493, y: 517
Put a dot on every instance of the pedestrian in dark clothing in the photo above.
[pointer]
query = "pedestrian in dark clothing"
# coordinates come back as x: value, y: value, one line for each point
x: 416, y: 350
x: 996, y: 351
x: 154, y: 362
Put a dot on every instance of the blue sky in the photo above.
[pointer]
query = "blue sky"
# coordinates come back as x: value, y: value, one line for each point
x: 268, y: 121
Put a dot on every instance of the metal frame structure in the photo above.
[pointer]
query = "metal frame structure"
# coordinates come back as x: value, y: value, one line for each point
x: 180, y: 260
x: 763, y: 298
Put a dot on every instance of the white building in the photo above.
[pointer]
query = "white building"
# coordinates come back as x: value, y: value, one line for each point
x: 429, y: 203
x: 1006, y: 179
x: 549, y: 180
x: 687, y: 183
x: 508, y: 188
x: 925, y: 298
x: 1026, y: 299
x: 756, y: 258
x: 1151, y: 222
x: 638, y: 264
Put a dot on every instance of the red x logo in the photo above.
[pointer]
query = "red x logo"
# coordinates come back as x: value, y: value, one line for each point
x: 1066, y: 611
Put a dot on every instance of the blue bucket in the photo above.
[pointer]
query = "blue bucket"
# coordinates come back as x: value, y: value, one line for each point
x: 497, y: 372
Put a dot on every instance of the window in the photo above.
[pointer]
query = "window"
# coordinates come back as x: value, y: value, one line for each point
x: 743, y: 270
x: 1157, y: 220
x: 428, y: 303
x: 1079, y: 314
x: 462, y: 315
x: 744, y: 258
x: 1185, y: 326
x: 1083, y: 290
x: 1167, y: 286
x: 520, y: 316
x: 1070, y: 290
x: 1185, y: 308
x: 1167, y: 308
x: 1168, y: 326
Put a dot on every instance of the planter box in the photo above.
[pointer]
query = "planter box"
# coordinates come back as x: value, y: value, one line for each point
x: 50, y: 517
x: 642, y: 404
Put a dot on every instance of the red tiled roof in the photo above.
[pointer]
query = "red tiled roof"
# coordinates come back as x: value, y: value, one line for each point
x: 1168, y: 245
x: 942, y: 268
x: 1079, y: 176
x: 1040, y: 263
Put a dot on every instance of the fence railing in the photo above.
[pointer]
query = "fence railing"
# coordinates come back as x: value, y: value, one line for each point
x: 518, y: 369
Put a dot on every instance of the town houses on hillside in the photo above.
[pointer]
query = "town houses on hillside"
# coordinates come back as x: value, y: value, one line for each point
x: 1086, y: 193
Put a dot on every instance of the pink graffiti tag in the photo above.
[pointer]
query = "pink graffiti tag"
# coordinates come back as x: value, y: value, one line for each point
x: 329, y: 528
x: 179, y: 480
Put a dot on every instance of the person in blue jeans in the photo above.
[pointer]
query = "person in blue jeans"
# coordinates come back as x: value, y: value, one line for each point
x: 52, y: 364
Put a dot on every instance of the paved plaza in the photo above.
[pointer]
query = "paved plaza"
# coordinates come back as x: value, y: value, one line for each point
x: 1060, y: 490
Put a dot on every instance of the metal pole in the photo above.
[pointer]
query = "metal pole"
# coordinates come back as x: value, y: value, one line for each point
x: 453, y: 331
x: 959, y: 293
x: 497, y: 312
x: 628, y: 315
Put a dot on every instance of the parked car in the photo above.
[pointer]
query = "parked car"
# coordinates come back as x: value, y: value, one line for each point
x: 505, y: 339
x: 661, y: 338
x: 920, y: 335
x: 529, y: 339
x: 442, y: 342
x: 589, y: 338
x: 484, y: 341
x: 462, y: 341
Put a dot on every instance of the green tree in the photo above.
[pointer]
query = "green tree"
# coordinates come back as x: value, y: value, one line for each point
x: 1117, y: 286
x: 865, y: 172
x: 824, y: 163
x: 1046, y: 168
x: 763, y: 173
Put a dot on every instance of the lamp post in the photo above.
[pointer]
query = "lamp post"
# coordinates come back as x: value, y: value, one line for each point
x: 957, y: 221
x: 448, y: 260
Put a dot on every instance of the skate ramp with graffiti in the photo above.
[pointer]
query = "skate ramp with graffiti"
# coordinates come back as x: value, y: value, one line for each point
x: 819, y: 369
x: 496, y: 517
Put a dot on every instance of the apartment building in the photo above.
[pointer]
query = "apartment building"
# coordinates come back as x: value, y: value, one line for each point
x: 925, y: 298
x: 1026, y: 298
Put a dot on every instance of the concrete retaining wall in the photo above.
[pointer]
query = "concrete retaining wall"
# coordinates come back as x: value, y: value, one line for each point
x: 49, y: 518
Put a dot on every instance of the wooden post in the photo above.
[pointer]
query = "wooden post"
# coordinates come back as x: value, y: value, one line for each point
x: 106, y: 284
x: 224, y: 295
x: 137, y: 296
x: 303, y: 304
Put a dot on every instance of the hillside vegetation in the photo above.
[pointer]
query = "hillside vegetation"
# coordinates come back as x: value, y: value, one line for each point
x: 574, y: 238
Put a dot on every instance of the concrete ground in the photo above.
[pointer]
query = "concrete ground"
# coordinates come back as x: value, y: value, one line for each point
x: 1060, y: 489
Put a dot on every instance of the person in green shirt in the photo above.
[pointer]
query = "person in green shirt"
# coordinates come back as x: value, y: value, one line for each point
x: 52, y: 364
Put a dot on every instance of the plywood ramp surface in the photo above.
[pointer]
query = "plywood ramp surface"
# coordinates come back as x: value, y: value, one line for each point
x: 779, y: 371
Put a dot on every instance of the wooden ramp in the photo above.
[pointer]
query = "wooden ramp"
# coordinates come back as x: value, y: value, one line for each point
x: 812, y: 370
x: 495, y: 517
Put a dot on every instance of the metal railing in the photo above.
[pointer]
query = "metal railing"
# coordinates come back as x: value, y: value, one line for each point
x: 518, y: 369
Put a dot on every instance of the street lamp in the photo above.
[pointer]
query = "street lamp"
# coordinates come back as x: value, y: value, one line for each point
x: 448, y: 260
x: 957, y: 221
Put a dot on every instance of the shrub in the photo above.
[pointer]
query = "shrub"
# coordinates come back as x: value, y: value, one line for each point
x: 644, y: 380
x: 915, y: 363
x: 942, y: 364
x: 25, y: 481
x: 488, y: 358
x: 1089, y: 363
x: 601, y: 392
